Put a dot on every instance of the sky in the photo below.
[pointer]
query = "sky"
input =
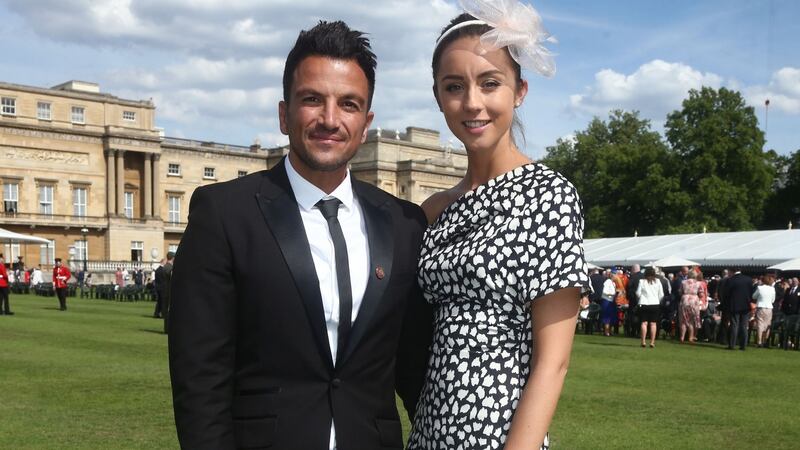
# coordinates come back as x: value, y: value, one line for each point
x: 214, y: 67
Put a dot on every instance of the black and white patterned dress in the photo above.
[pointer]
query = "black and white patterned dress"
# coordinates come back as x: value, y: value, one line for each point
x: 490, y: 253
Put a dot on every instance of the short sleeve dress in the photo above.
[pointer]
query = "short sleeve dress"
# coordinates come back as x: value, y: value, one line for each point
x: 490, y: 254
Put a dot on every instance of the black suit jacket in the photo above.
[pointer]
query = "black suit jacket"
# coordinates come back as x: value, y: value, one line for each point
x: 249, y: 355
x: 791, y: 301
x: 739, y: 293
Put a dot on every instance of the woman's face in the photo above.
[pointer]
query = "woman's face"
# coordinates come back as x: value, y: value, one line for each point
x: 477, y: 93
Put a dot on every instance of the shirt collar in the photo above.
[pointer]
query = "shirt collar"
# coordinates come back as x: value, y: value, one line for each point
x: 307, y: 195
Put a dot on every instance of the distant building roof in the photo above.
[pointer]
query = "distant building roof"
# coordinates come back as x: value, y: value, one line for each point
x: 757, y: 249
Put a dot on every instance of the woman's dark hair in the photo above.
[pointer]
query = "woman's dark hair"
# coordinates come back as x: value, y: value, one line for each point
x: 334, y: 40
x: 473, y: 30
x: 650, y: 274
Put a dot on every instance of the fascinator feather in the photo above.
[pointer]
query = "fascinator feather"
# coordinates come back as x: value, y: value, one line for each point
x: 516, y: 26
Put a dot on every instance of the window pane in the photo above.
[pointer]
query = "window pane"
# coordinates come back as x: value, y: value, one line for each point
x: 79, y: 202
x: 78, y: 114
x: 43, y: 111
x: 9, y: 105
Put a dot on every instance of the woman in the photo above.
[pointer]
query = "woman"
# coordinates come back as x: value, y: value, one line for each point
x: 649, y: 292
x: 608, y: 308
x: 692, y: 290
x: 764, y: 296
x: 502, y: 263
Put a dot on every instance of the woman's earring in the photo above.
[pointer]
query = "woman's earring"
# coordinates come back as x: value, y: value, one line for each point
x: 517, y: 105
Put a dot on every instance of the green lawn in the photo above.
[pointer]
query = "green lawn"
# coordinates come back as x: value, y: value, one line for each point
x: 96, y: 377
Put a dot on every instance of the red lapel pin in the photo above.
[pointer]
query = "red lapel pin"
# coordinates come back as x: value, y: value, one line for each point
x: 379, y: 272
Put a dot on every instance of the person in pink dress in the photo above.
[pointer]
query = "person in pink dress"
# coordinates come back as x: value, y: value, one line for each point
x: 693, y: 293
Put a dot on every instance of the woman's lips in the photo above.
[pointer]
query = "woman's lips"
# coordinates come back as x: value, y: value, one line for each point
x: 476, y: 126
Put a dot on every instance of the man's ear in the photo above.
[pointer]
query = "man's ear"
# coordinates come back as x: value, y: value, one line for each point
x: 282, y: 107
x: 370, y: 116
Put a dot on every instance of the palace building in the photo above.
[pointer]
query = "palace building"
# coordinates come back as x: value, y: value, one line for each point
x: 91, y: 173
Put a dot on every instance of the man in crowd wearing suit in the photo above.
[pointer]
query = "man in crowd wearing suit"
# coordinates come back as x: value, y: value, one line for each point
x: 739, y: 294
x: 295, y: 313
x: 158, y: 279
x: 791, y: 298
x: 163, y: 286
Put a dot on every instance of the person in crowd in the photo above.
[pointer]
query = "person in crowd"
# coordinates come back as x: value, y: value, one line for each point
x: 476, y: 293
x: 632, y: 319
x: 739, y: 293
x: 5, y: 307
x: 621, y: 299
x: 608, y: 311
x: 649, y: 293
x: 119, y: 278
x: 692, y: 292
x: 764, y: 296
x: 61, y: 276
x: 138, y: 277
x: 37, y: 277
x: 791, y: 299
x: 158, y: 283
x: 165, y: 288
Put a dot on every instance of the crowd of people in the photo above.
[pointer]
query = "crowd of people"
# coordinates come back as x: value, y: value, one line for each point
x: 688, y: 306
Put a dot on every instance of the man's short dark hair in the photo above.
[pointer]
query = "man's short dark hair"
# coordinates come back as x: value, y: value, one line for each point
x: 334, y: 40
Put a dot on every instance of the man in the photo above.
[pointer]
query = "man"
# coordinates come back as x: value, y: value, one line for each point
x: 60, y: 277
x: 5, y: 308
x: 295, y: 309
x: 791, y: 298
x: 158, y: 281
x: 739, y: 295
x: 632, y: 317
x: 164, y: 288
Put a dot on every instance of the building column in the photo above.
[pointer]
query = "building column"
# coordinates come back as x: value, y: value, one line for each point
x: 148, y: 185
x: 120, y: 182
x: 156, y: 186
x: 111, y: 205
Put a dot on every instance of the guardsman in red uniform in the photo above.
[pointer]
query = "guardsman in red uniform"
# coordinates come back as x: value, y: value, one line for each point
x: 60, y: 276
x: 4, y: 306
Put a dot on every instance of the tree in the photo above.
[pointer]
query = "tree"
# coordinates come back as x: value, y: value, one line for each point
x: 722, y: 167
x: 783, y: 206
x: 621, y: 169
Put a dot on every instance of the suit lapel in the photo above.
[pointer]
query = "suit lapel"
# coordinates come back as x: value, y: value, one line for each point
x: 378, y: 221
x: 280, y: 211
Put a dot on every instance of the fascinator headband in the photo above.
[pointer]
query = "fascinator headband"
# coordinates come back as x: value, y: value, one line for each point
x: 516, y: 26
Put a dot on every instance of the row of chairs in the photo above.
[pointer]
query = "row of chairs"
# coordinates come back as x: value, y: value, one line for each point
x: 129, y: 293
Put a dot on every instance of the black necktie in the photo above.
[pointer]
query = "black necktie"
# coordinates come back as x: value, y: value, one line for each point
x: 330, y: 210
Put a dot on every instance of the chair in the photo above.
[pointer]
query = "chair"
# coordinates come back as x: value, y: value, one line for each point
x: 778, y: 320
x: 790, y: 331
x: 592, y: 318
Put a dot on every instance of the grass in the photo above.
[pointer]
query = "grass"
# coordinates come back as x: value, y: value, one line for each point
x: 97, y: 377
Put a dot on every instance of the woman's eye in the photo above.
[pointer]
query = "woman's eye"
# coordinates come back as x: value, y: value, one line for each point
x: 452, y: 87
x: 490, y: 84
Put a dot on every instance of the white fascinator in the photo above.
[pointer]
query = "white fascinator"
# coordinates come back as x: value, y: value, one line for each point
x: 516, y: 26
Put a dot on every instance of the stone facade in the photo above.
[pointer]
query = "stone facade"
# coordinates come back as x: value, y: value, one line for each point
x: 85, y: 168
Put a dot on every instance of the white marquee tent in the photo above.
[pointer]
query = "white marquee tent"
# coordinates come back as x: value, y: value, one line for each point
x: 754, y: 249
x: 10, y: 237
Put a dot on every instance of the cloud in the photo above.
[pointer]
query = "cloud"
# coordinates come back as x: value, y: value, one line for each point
x: 655, y: 89
x: 783, y: 91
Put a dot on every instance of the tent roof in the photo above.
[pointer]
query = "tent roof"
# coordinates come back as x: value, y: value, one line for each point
x: 11, y: 237
x: 742, y: 248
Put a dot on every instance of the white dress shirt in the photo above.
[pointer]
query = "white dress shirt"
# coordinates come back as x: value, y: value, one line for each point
x: 351, y: 219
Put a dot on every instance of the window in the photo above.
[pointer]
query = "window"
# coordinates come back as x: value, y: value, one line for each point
x: 173, y: 248
x: 137, y: 249
x: 208, y: 173
x: 11, y: 197
x: 129, y: 115
x: 47, y: 253
x: 81, y: 250
x: 9, y: 106
x: 129, y: 205
x: 43, y: 111
x: 174, y: 169
x: 173, y: 209
x: 79, y: 202
x: 242, y: 173
x: 11, y: 253
x: 78, y: 115
x: 46, y: 200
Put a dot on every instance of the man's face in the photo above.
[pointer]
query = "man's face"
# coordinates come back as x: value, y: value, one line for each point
x: 326, y: 116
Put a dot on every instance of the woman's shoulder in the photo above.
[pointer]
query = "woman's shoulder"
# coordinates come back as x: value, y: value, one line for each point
x: 438, y: 202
